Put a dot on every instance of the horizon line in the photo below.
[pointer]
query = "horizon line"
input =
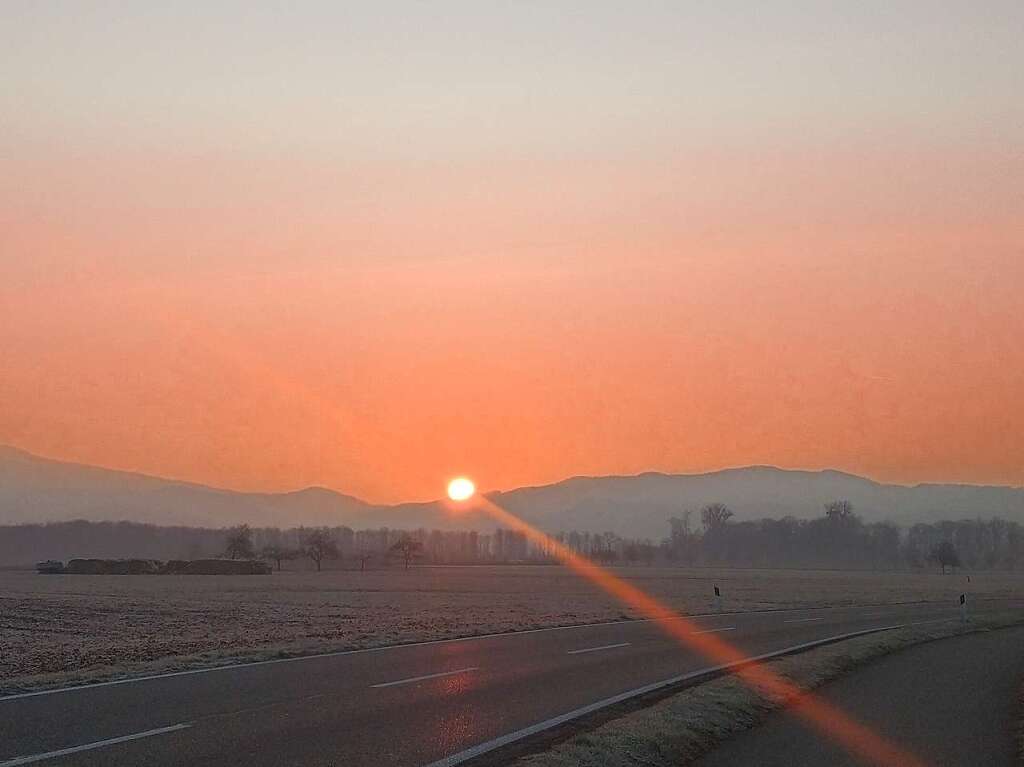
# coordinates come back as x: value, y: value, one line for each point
x: 489, y: 493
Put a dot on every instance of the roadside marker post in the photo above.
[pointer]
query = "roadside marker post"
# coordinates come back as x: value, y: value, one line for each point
x: 716, y: 603
x: 963, y: 608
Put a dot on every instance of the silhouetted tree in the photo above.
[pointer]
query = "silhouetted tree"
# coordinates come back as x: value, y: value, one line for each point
x: 408, y: 547
x: 944, y: 553
x: 364, y: 556
x: 239, y: 543
x: 683, y: 542
x: 278, y: 553
x: 715, y: 516
x: 319, y: 544
x: 839, y: 510
x: 716, y: 542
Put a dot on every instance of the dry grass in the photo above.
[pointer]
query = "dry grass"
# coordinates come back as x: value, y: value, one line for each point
x: 680, y: 729
x: 59, y: 628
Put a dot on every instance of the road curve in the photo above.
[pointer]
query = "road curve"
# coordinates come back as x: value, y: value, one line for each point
x: 951, y: 702
x: 407, y: 706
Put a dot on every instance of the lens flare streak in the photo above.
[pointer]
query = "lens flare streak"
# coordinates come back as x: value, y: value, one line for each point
x: 852, y: 735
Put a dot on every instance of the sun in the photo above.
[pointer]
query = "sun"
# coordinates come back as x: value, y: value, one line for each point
x: 461, y: 489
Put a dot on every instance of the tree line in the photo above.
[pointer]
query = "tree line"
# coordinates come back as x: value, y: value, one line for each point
x: 839, y: 538
x: 290, y: 548
x: 709, y: 536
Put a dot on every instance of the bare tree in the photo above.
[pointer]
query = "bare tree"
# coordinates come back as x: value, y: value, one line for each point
x: 839, y: 510
x: 408, y: 547
x: 278, y: 553
x: 364, y: 556
x: 944, y: 553
x: 239, y: 543
x: 683, y: 542
x: 319, y: 544
x: 715, y: 516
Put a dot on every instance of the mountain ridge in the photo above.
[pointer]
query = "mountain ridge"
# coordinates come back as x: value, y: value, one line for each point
x: 38, y: 489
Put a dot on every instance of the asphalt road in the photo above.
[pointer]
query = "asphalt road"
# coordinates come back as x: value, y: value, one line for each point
x: 409, y: 705
x: 951, y: 702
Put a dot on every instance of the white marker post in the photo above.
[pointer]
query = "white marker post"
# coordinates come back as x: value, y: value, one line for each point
x: 716, y: 603
x: 963, y: 608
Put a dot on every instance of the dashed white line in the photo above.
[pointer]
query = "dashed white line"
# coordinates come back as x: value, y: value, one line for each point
x: 403, y: 646
x: 804, y: 620
x: 596, y: 649
x: 410, y: 680
x: 482, y: 748
x: 714, y: 631
x: 89, y: 746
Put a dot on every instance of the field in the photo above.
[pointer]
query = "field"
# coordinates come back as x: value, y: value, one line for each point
x: 59, y: 628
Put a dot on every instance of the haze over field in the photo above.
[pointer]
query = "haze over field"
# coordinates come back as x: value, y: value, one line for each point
x: 33, y: 489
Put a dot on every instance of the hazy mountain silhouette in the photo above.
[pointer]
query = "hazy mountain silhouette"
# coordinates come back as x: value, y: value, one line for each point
x: 34, y: 489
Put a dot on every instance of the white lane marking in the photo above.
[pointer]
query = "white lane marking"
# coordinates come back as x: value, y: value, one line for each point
x: 90, y: 746
x: 875, y: 615
x: 547, y: 724
x: 336, y: 654
x: 595, y: 649
x: 412, y: 679
x: 714, y: 631
x: 382, y: 648
x: 804, y: 620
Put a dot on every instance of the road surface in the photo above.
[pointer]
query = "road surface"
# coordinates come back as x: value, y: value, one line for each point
x: 952, y: 702
x: 409, y: 706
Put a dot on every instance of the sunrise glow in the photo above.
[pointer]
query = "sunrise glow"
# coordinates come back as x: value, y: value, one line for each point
x: 722, y: 259
x: 461, y: 489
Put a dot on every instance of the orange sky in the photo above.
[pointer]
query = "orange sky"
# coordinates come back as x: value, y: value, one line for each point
x: 257, y: 265
x: 853, y: 310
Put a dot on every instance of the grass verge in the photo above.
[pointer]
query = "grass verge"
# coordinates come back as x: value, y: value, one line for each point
x: 685, y: 726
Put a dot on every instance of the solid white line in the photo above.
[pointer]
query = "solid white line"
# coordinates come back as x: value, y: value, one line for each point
x: 804, y: 620
x: 595, y: 649
x: 714, y: 631
x: 547, y: 724
x: 410, y: 680
x: 382, y: 648
x: 89, y: 746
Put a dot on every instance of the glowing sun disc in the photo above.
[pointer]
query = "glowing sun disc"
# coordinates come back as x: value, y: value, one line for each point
x: 461, y: 489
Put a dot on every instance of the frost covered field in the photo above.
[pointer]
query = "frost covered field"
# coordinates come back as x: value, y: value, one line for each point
x: 61, y: 627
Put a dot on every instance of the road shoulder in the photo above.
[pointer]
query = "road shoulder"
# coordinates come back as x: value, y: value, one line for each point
x: 686, y: 726
x: 949, y: 702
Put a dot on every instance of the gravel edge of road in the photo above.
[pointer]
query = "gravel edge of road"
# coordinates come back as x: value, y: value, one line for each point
x: 683, y: 727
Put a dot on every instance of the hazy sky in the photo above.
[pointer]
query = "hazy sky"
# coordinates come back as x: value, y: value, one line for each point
x: 372, y: 245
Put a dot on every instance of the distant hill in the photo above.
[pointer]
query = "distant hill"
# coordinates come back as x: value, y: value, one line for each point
x: 640, y: 505
x: 34, y: 489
